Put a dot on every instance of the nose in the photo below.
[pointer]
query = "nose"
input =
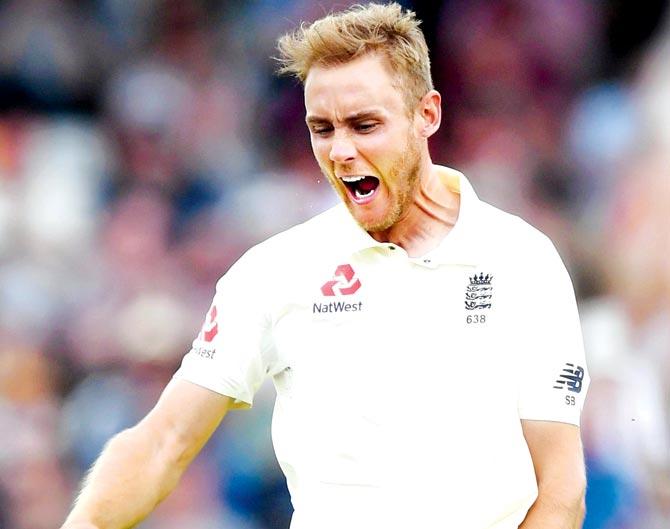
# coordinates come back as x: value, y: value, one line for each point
x: 342, y: 150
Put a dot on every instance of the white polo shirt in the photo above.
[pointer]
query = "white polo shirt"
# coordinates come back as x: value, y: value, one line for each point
x: 400, y: 381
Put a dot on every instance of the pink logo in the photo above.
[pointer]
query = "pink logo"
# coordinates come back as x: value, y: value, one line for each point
x: 344, y: 282
x: 211, y: 328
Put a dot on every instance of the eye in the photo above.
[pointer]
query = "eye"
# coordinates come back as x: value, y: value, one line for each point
x: 366, y: 126
x: 322, y: 130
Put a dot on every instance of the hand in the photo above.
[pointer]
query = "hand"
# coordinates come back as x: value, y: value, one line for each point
x: 79, y: 525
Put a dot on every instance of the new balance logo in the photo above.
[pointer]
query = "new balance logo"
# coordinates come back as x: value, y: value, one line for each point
x: 344, y: 282
x: 571, y: 378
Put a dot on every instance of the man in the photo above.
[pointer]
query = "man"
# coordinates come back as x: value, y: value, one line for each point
x: 425, y: 346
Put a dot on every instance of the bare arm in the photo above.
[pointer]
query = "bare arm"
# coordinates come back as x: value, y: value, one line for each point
x: 557, y: 454
x: 140, y: 466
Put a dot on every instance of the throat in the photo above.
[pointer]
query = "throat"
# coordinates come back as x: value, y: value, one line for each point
x: 429, y: 218
x: 436, y: 216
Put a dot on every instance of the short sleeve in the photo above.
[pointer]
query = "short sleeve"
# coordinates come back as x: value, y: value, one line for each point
x: 553, y: 373
x: 233, y: 351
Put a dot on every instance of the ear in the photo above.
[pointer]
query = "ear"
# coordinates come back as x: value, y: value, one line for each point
x: 429, y: 114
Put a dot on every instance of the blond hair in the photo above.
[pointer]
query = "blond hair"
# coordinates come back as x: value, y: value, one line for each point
x: 374, y: 28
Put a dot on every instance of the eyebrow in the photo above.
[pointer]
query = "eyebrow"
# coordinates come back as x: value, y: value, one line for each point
x: 352, y: 118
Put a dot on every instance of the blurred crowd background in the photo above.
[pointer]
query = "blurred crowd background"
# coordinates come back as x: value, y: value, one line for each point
x: 145, y: 144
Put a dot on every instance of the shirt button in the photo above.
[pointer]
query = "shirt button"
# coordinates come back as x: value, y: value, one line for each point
x: 391, y: 247
x: 427, y: 261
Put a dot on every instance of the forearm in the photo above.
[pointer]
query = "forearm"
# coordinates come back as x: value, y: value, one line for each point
x: 135, y: 471
x: 553, y: 511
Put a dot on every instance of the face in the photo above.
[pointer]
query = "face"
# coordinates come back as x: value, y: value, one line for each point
x: 364, y: 139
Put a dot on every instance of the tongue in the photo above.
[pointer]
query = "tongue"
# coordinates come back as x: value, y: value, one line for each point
x: 367, y: 184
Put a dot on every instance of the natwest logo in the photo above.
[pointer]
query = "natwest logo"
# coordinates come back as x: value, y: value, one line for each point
x: 211, y: 327
x: 344, y: 282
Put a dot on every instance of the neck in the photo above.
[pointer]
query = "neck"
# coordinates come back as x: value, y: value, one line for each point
x: 431, y: 215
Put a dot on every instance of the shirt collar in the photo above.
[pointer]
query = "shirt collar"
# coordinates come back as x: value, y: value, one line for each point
x: 458, y: 247
x: 462, y: 244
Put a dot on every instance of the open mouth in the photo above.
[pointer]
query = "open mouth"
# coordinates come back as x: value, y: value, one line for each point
x: 361, y: 188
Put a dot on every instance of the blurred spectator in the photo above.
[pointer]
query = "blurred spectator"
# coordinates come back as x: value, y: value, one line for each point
x: 627, y: 334
x: 51, y: 58
x: 32, y: 476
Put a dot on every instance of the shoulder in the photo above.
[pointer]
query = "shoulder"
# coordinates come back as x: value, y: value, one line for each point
x: 295, y: 248
x: 303, y: 240
x: 509, y: 236
x: 524, y: 255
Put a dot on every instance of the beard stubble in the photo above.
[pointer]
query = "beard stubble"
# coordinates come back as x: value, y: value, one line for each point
x: 405, y: 173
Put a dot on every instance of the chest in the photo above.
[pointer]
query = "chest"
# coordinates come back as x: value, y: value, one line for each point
x: 370, y: 331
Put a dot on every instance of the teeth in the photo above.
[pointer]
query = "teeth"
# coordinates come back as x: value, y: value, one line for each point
x: 363, y: 195
x: 352, y: 178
